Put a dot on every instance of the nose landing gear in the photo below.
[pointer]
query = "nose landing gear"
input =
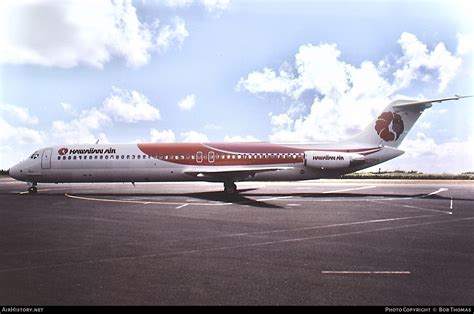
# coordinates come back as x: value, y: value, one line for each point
x: 33, y: 189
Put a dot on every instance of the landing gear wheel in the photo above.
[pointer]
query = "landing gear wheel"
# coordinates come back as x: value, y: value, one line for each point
x: 32, y: 190
x: 230, y: 188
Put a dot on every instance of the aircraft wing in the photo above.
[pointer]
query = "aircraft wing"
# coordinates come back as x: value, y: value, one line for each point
x: 235, y: 173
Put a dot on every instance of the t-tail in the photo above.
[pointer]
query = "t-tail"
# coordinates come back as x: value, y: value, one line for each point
x: 395, y: 121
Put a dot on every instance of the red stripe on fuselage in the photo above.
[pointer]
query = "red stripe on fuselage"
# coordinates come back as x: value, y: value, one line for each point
x: 232, y: 154
x: 208, y: 154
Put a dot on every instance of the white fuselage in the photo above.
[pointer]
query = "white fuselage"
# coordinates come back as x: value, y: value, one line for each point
x: 196, y: 162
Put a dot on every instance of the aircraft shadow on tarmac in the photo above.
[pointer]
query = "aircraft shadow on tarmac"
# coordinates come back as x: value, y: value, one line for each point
x: 245, y: 198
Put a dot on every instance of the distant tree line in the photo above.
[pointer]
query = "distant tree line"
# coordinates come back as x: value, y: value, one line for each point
x: 415, y: 175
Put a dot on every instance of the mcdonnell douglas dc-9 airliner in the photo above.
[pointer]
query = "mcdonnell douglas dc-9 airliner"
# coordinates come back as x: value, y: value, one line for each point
x: 225, y: 162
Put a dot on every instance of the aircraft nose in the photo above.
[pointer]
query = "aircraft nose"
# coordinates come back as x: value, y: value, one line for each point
x: 15, y: 172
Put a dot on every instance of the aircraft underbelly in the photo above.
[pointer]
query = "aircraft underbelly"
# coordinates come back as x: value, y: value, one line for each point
x: 114, y: 175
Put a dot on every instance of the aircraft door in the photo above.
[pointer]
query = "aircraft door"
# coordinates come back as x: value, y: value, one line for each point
x: 199, y: 157
x: 46, y: 158
x: 210, y: 157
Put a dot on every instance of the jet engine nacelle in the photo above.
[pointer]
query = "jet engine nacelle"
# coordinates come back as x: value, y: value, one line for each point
x: 331, y: 160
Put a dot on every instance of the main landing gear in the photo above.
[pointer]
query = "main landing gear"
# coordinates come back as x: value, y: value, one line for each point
x: 33, y: 189
x: 230, y: 188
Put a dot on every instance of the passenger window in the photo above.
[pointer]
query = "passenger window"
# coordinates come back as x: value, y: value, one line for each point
x: 59, y: 157
x: 74, y: 157
x: 101, y: 157
x: 106, y: 156
x: 69, y: 157
x: 128, y: 156
x: 133, y: 156
x: 64, y: 157
x: 95, y: 157
x: 138, y: 156
x: 123, y: 157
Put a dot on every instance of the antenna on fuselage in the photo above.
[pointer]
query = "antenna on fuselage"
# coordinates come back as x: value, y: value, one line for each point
x: 97, y: 141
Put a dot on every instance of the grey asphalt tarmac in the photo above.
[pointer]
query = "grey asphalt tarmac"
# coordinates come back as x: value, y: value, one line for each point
x: 327, y: 242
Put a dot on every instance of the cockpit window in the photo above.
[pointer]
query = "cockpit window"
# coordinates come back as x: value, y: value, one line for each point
x: 35, y: 155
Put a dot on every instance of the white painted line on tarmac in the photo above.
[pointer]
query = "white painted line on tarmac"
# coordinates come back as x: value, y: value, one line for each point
x: 352, y: 189
x: 184, y: 205
x: 436, y: 192
x: 42, y: 190
x: 111, y: 200
x: 414, y: 207
x: 451, y: 204
x: 326, y: 226
x: 429, y: 209
x: 376, y: 272
x: 273, y: 198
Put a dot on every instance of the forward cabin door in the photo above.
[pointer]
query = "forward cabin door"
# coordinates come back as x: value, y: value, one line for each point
x: 46, y: 158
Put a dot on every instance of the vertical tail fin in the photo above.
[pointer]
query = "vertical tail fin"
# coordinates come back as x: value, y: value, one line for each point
x: 395, y: 121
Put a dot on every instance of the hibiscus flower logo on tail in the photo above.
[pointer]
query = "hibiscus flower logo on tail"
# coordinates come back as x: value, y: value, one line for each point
x: 389, y: 126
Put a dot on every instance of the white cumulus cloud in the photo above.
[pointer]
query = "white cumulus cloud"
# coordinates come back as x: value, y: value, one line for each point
x: 21, y: 114
x: 178, y: 3
x: 81, y: 128
x: 71, y: 33
x: 194, y: 137
x: 417, y: 57
x: 19, y: 134
x: 165, y: 136
x: 120, y: 106
x: 346, y: 96
x: 238, y: 138
x: 424, y: 154
x: 172, y: 34
x: 129, y: 106
x: 215, y: 5
x: 187, y: 103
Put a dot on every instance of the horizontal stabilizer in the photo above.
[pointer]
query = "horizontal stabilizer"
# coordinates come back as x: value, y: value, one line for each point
x: 424, y: 104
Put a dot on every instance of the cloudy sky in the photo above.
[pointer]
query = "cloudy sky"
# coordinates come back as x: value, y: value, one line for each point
x: 226, y: 70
